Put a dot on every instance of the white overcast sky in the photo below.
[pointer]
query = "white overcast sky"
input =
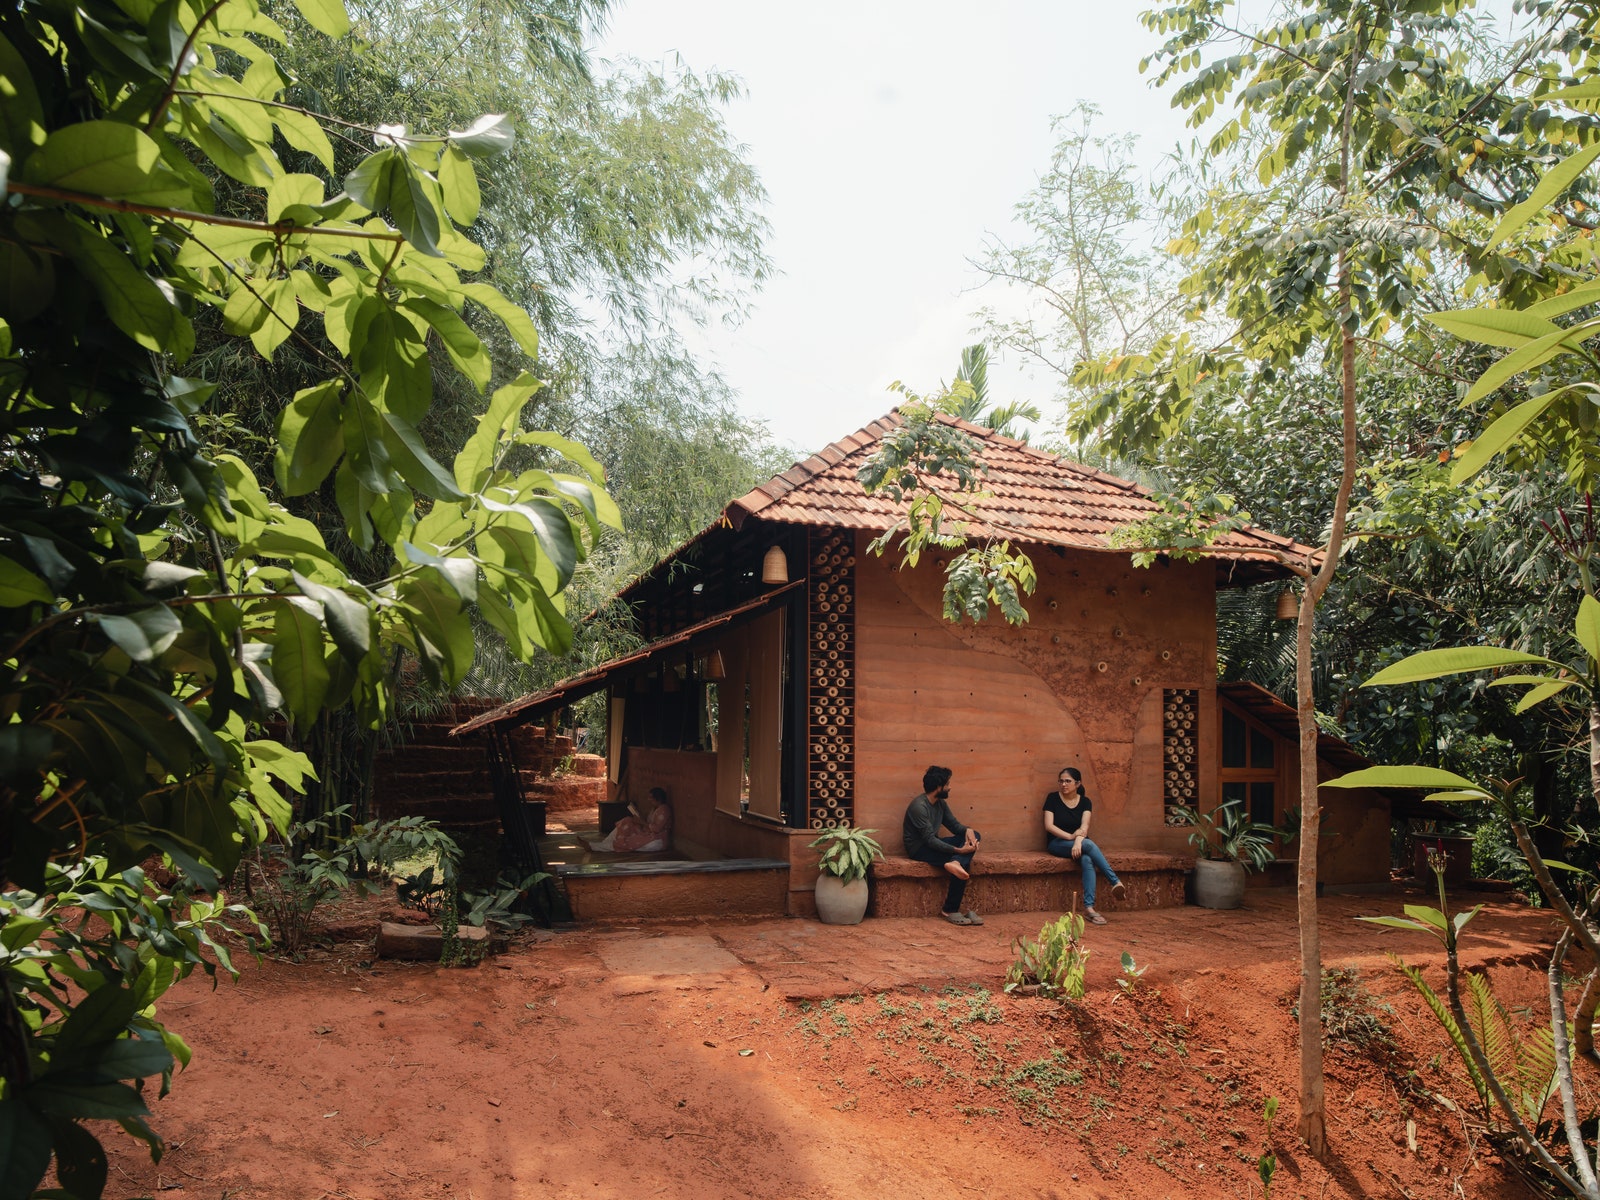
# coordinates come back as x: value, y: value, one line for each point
x: 893, y: 136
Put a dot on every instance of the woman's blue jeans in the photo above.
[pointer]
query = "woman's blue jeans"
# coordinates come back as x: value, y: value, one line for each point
x: 1089, y: 862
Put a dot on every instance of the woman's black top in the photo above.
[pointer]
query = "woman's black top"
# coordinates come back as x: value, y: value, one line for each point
x: 1067, y: 819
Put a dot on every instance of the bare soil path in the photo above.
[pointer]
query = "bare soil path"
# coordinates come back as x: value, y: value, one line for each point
x: 781, y: 1058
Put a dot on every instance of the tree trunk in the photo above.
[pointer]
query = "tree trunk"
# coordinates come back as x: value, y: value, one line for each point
x: 1313, y: 1125
x: 1594, y: 744
x: 1313, y: 1122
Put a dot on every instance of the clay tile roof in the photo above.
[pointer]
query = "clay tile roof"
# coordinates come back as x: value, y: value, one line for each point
x: 1034, y: 496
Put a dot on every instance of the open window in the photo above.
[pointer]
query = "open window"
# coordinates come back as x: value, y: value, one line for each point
x: 1250, y: 769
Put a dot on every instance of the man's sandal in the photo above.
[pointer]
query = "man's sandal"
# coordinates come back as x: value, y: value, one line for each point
x: 973, y: 918
x: 957, y: 918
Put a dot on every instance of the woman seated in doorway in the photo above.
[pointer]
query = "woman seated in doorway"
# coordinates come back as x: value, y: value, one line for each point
x: 1066, y: 823
x: 644, y: 831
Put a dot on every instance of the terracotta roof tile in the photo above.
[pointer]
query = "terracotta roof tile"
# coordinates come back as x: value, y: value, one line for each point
x: 1035, y: 497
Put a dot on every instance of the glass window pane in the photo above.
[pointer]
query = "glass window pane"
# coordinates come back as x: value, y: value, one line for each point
x: 1260, y: 749
x: 1234, y: 734
x: 1263, y: 803
x: 1234, y: 792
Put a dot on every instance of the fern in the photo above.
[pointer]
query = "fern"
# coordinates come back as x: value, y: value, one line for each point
x: 1442, y: 1014
x: 1538, y: 1081
x: 1489, y: 1024
x: 1526, y: 1067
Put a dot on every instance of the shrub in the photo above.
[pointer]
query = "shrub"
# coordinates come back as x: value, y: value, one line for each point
x: 1056, y: 960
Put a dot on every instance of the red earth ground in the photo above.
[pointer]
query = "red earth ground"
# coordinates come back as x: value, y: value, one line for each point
x: 780, y: 1058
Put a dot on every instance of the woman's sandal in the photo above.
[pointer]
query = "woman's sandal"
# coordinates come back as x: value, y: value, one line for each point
x: 973, y: 918
x: 1096, y: 919
x: 957, y: 918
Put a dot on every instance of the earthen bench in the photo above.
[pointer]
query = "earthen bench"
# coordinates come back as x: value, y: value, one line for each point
x: 1026, y: 881
x: 675, y: 888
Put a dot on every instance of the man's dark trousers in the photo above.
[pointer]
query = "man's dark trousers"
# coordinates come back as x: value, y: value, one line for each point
x: 958, y: 887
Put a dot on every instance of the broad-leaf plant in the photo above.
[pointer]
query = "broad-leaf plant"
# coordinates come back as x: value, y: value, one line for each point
x: 160, y: 605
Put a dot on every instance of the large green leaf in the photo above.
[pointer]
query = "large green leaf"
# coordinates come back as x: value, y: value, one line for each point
x: 459, y: 183
x: 412, y: 204
x: 81, y: 1165
x: 1578, y: 297
x: 1494, y: 326
x: 549, y: 521
x: 1554, y: 182
x: 500, y: 614
x: 325, y: 16
x: 409, y: 456
x: 457, y: 572
x: 309, y: 439
x: 1587, y: 627
x: 1540, y: 694
x: 136, y: 304
x: 27, y: 281
x: 368, y: 182
x: 515, y: 318
x: 440, y: 617
x: 283, y: 308
x: 143, y: 635
x: 299, y: 665
x: 596, y: 505
x: 1526, y: 358
x: 21, y: 115
x: 1453, y: 660
x: 25, y: 1147
x: 1404, y: 777
x: 97, y: 1101
x: 100, y: 1016
x: 393, y: 360
x: 505, y: 407
x: 517, y: 550
x: 363, y: 429
x: 546, y: 623
x: 1505, y: 430
x: 349, y: 620
x: 487, y: 136
x: 575, y: 452
x: 108, y: 158
x: 463, y: 346
x: 19, y: 586
x: 125, y: 1058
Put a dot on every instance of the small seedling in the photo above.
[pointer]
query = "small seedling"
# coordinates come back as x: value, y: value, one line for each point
x: 1267, y: 1163
x: 1131, y: 974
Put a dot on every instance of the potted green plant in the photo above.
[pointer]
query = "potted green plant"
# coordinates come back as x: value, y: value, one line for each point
x: 845, y: 855
x: 1228, y: 844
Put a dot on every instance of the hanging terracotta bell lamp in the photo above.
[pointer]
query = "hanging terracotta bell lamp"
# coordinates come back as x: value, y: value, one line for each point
x: 1288, y: 605
x: 775, y: 566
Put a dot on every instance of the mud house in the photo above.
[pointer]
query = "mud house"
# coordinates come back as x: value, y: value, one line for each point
x: 792, y: 682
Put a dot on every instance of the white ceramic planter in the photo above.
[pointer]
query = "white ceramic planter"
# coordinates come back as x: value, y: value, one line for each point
x: 1218, y: 884
x: 841, y: 903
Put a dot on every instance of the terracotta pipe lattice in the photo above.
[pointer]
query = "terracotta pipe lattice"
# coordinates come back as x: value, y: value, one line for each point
x: 830, y: 682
